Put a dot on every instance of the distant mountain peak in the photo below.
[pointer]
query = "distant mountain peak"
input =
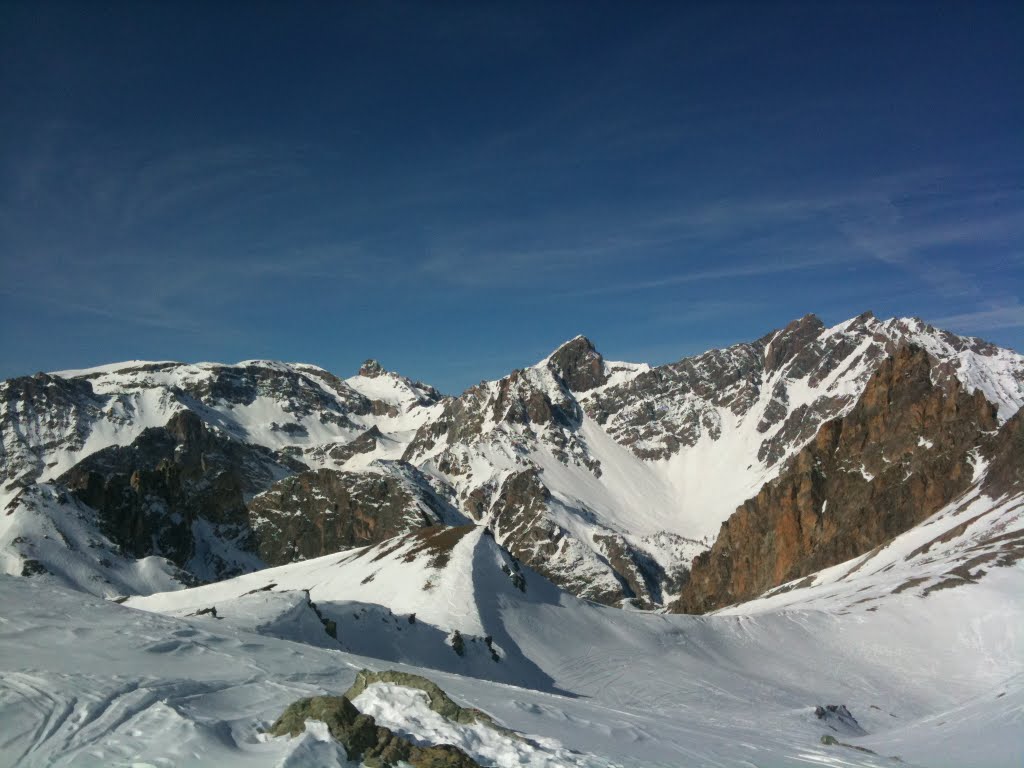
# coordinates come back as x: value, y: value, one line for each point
x: 788, y: 342
x: 372, y: 369
x: 579, y: 364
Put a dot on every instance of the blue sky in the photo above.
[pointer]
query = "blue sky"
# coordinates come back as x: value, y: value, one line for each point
x: 456, y: 188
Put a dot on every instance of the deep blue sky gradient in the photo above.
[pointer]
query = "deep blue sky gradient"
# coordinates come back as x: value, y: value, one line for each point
x: 455, y: 188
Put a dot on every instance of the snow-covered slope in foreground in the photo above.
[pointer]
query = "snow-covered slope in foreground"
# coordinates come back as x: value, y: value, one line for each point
x: 401, y: 600
x: 937, y: 681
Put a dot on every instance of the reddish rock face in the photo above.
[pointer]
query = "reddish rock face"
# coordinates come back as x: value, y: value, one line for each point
x: 1006, y: 459
x: 894, y: 460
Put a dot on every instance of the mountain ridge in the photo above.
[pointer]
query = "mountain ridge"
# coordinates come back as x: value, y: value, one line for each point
x: 608, y: 477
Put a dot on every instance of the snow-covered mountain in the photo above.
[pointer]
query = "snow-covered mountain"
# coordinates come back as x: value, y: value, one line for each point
x: 854, y: 497
x: 433, y: 598
x: 607, y: 477
x: 182, y: 462
x: 611, y: 488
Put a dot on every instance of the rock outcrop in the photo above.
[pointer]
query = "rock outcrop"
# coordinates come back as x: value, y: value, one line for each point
x: 579, y: 364
x: 321, y: 511
x: 903, y: 452
x: 437, y: 700
x: 364, y: 741
x: 39, y: 416
x: 1005, y: 457
x: 150, y: 495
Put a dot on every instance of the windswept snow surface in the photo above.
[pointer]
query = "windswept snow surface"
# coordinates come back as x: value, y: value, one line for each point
x: 936, y: 680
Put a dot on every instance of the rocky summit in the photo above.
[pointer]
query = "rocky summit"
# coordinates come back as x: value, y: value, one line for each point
x: 695, y: 485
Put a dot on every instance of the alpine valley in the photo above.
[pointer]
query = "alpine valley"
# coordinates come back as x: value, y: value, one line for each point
x: 799, y: 550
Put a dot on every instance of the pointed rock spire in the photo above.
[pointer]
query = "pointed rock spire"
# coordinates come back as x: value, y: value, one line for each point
x: 371, y: 369
x: 579, y: 364
x: 791, y: 340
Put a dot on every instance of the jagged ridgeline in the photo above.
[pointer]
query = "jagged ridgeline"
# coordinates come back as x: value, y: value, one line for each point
x: 766, y: 461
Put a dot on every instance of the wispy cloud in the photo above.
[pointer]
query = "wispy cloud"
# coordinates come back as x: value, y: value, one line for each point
x: 916, y: 223
x: 1009, y: 315
x: 766, y: 267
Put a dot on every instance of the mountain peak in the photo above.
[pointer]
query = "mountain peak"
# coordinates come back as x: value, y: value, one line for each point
x: 371, y: 369
x: 791, y: 339
x: 579, y: 364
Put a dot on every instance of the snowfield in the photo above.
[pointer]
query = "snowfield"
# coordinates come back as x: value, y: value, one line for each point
x: 937, y: 681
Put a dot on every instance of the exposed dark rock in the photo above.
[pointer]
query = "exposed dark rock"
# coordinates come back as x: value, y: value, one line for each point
x: 838, y: 718
x: 437, y: 542
x: 579, y: 365
x: 520, y: 401
x: 1005, y: 454
x: 371, y: 369
x: 321, y: 511
x: 40, y: 414
x: 794, y: 343
x: 460, y: 422
x: 831, y: 741
x: 149, y: 494
x: 301, y: 392
x: 640, y: 413
x: 641, y: 575
x: 32, y: 567
x: 437, y: 699
x: 365, y: 741
x: 864, y: 479
x: 365, y: 443
x: 330, y: 625
x: 521, y: 525
x: 458, y: 644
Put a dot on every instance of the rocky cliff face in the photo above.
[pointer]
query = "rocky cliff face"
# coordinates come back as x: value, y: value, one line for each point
x: 322, y: 511
x: 1004, y: 455
x: 42, y: 417
x: 786, y: 385
x: 175, y: 489
x: 905, y: 450
x: 579, y: 365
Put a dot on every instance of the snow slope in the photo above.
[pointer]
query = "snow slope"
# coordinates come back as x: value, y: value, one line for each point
x: 46, y: 534
x: 446, y: 580
x: 740, y: 679
x: 87, y: 682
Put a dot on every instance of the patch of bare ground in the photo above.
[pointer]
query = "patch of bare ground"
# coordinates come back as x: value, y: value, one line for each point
x: 437, y: 541
x: 946, y: 537
x: 910, y: 584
